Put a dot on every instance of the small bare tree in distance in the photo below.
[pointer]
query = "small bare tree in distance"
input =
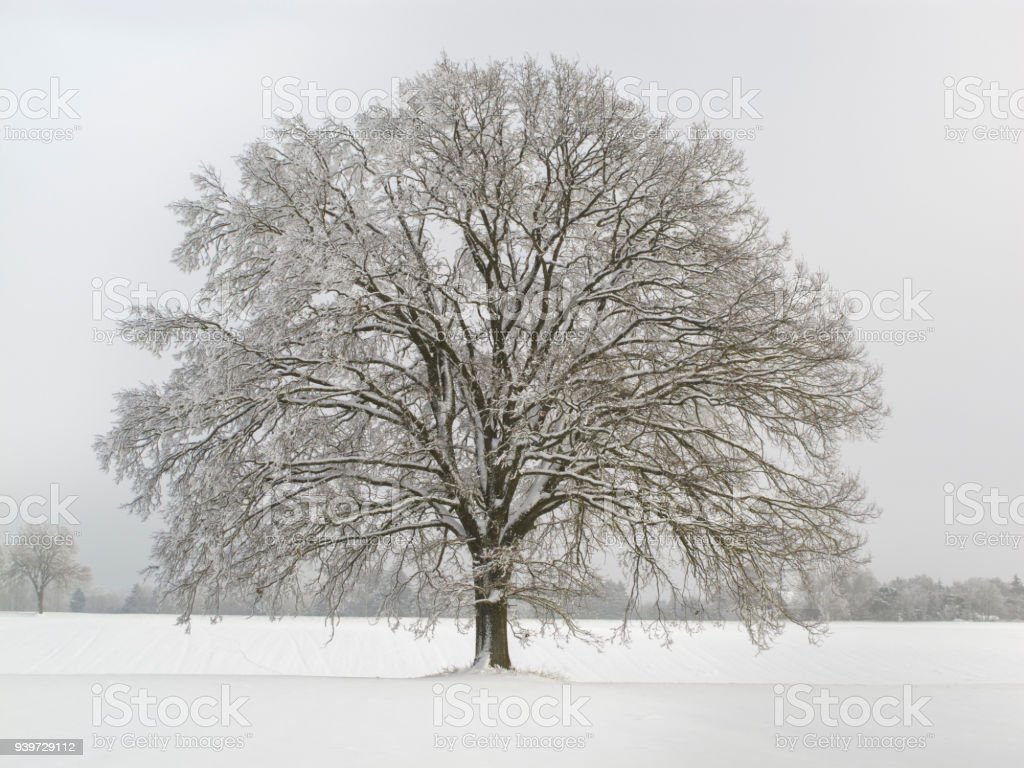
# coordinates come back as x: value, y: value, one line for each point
x: 468, y: 342
x: 44, y: 557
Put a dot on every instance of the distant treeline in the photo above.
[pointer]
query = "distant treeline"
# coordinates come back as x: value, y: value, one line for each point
x: 857, y: 597
x: 861, y: 597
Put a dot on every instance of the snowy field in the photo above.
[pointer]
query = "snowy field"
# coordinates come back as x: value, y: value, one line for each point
x: 373, y: 697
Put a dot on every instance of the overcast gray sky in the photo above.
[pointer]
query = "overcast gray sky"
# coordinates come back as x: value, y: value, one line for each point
x: 849, y: 142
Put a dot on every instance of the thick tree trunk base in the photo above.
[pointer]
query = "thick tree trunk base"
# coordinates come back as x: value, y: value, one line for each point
x: 492, y: 636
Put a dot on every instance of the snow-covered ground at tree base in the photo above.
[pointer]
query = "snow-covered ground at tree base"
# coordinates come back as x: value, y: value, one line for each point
x: 852, y: 652
x: 372, y: 696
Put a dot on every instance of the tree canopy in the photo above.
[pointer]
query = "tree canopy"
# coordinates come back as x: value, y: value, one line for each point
x: 480, y: 337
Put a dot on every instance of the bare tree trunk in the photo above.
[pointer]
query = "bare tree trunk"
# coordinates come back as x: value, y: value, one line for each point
x: 39, y: 601
x: 492, y: 617
x: 492, y: 634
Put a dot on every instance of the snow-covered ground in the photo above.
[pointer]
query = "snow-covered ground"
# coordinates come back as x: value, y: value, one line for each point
x: 708, y: 699
x: 853, y: 652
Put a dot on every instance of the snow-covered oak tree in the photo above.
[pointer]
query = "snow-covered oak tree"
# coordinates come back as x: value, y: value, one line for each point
x: 469, y: 342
